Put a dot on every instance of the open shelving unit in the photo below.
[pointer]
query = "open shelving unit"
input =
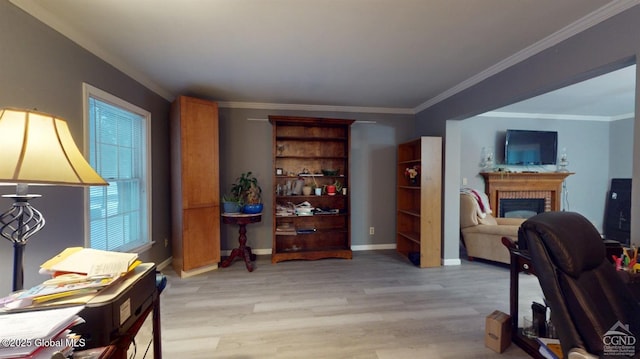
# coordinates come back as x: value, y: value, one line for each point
x: 302, y: 148
x: 419, y: 205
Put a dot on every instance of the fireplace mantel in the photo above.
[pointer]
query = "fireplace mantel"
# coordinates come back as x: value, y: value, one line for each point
x: 520, y: 184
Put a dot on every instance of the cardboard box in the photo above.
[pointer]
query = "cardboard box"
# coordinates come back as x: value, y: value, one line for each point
x: 497, y: 335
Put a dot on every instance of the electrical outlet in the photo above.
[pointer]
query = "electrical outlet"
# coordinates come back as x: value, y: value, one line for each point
x: 166, y: 242
x: 372, y: 231
x: 464, y: 181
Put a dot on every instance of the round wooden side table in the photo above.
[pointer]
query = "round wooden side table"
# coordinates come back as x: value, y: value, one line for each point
x: 243, y: 251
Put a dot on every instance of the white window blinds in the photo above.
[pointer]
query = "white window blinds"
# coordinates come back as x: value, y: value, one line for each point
x: 118, y: 214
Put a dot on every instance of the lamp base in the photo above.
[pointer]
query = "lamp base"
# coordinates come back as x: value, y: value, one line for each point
x: 18, y: 268
x: 17, y: 224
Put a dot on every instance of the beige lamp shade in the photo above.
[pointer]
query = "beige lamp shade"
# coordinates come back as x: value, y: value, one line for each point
x: 37, y: 148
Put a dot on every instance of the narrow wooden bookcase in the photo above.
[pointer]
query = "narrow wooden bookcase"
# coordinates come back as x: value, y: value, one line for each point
x: 302, y: 148
x: 419, y: 206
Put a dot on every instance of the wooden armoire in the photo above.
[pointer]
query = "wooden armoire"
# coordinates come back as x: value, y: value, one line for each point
x: 195, y: 186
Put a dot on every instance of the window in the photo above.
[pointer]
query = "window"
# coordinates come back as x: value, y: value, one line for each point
x: 117, y: 137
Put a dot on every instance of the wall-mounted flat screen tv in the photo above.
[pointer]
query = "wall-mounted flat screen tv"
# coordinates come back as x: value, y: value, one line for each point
x: 525, y: 147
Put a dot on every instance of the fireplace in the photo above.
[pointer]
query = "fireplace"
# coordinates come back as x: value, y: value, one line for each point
x: 501, y: 186
x: 521, y: 207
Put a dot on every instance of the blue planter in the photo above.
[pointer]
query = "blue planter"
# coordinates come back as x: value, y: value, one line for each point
x: 252, y: 208
x: 231, y: 207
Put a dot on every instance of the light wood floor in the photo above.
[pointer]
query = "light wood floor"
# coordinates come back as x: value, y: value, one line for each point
x: 376, y: 305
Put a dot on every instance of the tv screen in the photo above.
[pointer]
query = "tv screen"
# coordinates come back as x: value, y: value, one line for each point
x: 524, y: 147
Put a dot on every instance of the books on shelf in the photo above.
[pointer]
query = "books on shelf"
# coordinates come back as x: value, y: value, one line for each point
x: 321, y: 211
x: 305, y: 230
x: 286, y: 229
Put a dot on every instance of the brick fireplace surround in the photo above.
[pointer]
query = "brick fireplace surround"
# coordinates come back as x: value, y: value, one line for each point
x: 547, y: 185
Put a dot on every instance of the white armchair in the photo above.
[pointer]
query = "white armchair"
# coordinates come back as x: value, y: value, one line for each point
x: 482, y: 234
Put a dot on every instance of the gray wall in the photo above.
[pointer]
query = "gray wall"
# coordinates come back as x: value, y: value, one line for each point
x: 41, y: 69
x: 245, y: 145
x: 607, y: 46
x: 596, y: 150
x: 621, y: 149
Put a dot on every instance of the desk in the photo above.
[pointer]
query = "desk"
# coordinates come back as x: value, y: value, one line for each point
x: 243, y: 251
x: 632, y: 281
x: 519, y: 262
x: 114, y: 315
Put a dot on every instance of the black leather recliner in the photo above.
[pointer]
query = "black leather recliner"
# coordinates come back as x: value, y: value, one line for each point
x: 591, y: 307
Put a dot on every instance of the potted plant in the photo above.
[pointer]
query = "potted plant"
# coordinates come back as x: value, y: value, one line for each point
x: 338, y: 185
x: 413, y: 174
x: 231, y: 203
x: 249, y: 192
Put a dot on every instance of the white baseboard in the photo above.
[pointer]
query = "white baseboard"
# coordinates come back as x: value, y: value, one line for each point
x: 167, y: 262
x: 451, y: 262
x: 164, y: 263
x: 259, y: 251
x: 194, y: 272
x: 373, y: 247
x: 364, y: 247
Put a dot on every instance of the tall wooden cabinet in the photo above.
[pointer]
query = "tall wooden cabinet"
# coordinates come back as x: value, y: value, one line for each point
x: 195, y: 186
x: 419, y: 205
x: 302, y: 149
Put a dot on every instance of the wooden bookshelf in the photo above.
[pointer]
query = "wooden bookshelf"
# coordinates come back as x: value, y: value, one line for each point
x: 302, y: 148
x: 419, y: 205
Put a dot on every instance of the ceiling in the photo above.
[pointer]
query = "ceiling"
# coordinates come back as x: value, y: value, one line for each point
x: 396, y: 56
x: 608, y: 97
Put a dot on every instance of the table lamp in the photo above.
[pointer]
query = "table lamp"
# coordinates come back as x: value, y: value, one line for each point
x: 36, y: 148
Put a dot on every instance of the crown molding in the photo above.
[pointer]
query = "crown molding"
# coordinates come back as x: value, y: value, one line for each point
x: 623, y: 116
x: 583, y: 24
x: 367, y: 122
x: 555, y: 116
x: 323, y: 108
x: 34, y: 9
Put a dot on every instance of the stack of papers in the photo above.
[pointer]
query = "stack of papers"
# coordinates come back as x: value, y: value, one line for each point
x: 304, y: 209
x: 76, y: 271
x: 283, y: 211
x: 61, y: 287
x: 91, y: 262
x: 285, y: 229
x: 39, y: 334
